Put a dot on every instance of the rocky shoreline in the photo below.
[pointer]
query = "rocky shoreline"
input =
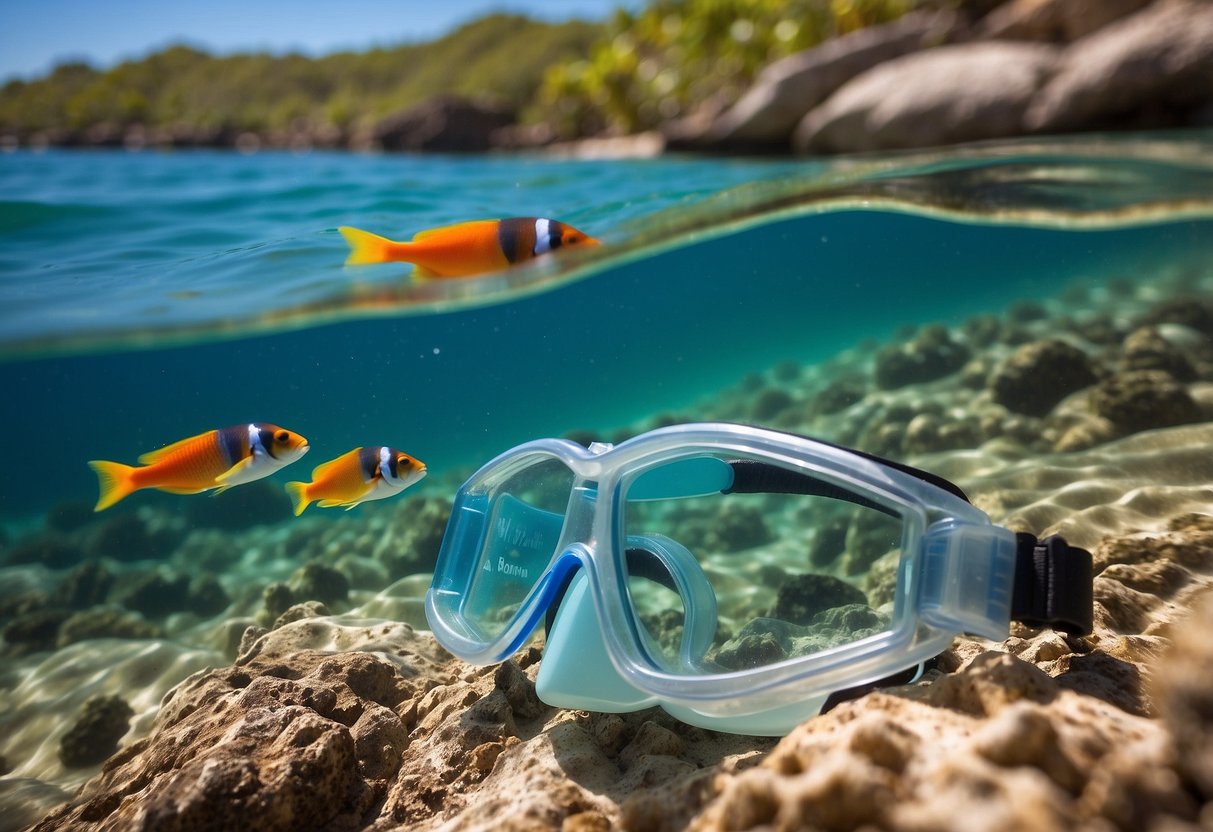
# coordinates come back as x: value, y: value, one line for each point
x: 1042, y: 733
x: 931, y: 78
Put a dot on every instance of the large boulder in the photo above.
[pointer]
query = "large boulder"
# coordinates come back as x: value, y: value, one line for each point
x: 766, y: 115
x: 967, y: 92
x: 1154, y: 68
x: 444, y: 124
x: 1060, y: 21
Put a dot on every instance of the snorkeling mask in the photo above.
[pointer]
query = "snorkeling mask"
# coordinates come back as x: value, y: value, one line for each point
x: 736, y: 576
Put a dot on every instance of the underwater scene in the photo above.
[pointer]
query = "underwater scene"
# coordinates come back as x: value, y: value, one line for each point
x: 1031, y: 320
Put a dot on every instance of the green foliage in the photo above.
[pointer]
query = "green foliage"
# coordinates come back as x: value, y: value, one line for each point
x: 660, y: 63
x: 500, y: 57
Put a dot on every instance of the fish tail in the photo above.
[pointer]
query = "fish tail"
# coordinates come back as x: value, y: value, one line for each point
x: 298, y: 493
x: 367, y: 248
x: 116, y: 481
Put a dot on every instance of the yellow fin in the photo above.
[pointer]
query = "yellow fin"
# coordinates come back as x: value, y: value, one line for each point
x: 183, y: 490
x: 222, y: 479
x: 115, y: 481
x: 350, y: 503
x: 298, y: 494
x: 160, y: 453
x: 365, y: 247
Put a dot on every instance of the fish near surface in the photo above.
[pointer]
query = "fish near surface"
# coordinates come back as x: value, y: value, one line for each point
x: 217, y: 459
x: 469, y: 248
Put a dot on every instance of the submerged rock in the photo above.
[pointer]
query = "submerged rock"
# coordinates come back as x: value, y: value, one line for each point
x: 105, y: 622
x: 156, y: 594
x: 128, y: 537
x: 298, y: 612
x: 252, y: 504
x: 47, y: 549
x: 1191, y: 312
x: 94, y: 736
x: 1146, y: 349
x: 1143, y: 400
x: 207, y: 596
x: 1041, y: 732
x: 932, y: 354
x: 770, y: 403
x: 1184, y: 688
x: 1039, y: 375
x: 34, y: 631
x: 85, y: 586
x: 839, y: 395
x: 276, y: 599
x: 413, y: 537
x: 804, y: 596
x: 317, y: 582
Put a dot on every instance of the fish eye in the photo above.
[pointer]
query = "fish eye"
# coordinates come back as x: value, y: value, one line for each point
x: 282, y: 436
x: 404, y: 460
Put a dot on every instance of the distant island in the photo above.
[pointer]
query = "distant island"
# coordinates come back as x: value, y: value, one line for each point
x: 720, y: 76
x: 184, y: 97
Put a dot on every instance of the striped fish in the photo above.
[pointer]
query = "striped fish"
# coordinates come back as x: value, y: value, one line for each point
x: 216, y: 459
x: 468, y: 248
x: 357, y: 476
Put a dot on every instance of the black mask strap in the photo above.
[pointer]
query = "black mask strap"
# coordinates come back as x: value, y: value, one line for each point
x: 1052, y: 585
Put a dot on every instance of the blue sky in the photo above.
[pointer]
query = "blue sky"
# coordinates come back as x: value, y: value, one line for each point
x: 37, y: 34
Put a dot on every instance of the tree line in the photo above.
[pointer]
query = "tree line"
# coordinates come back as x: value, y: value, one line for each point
x: 632, y: 72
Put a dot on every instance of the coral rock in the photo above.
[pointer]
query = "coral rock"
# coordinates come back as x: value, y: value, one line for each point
x: 1143, y: 400
x: 95, y: 735
x: 1185, y: 692
x: 802, y: 597
x: 1146, y: 349
x: 317, y: 582
x: 1039, y: 375
x: 929, y: 356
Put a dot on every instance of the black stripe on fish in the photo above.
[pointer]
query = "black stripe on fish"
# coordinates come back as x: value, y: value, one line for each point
x: 233, y: 443
x: 516, y: 236
x: 267, y: 439
x: 368, y: 463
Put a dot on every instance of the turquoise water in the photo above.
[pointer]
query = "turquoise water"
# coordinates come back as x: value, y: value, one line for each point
x: 139, y: 293
x: 148, y: 297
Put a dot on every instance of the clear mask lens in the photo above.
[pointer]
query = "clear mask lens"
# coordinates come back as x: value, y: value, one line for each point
x: 790, y: 574
x: 525, y: 510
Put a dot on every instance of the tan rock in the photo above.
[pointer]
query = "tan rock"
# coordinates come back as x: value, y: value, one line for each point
x: 940, y: 96
x: 1160, y: 59
x: 328, y: 725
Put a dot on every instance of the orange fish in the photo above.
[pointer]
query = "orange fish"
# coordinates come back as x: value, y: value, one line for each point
x: 467, y: 248
x: 215, y: 459
x: 357, y: 476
